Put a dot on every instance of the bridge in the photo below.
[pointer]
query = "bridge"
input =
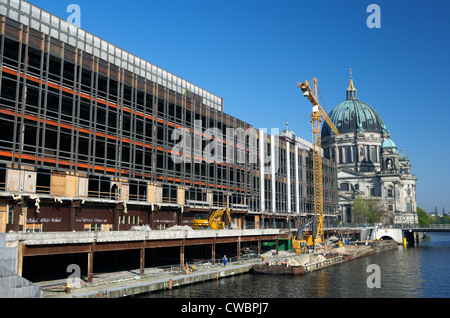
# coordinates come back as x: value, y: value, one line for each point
x: 384, y: 232
x: 407, y: 231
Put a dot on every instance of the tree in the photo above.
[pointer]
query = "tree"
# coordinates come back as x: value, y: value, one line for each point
x: 445, y: 219
x: 424, y: 218
x: 359, y: 210
x: 370, y: 211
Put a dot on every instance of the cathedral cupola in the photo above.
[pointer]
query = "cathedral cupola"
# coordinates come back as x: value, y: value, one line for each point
x: 351, y: 91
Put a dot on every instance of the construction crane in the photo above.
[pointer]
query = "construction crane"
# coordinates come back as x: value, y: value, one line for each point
x: 214, y: 222
x: 316, y: 118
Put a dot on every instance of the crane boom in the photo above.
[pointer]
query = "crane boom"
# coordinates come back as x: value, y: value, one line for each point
x: 316, y: 120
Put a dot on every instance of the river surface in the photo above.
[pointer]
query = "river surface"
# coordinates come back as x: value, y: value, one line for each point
x: 422, y: 271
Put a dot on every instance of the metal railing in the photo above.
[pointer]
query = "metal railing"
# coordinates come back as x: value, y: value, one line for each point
x: 420, y: 227
x: 199, y: 265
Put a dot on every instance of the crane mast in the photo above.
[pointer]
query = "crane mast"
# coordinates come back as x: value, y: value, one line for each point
x: 316, y: 119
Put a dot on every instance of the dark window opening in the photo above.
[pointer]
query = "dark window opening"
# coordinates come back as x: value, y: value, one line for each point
x: 99, y: 187
x: 169, y: 194
x: 138, y: 191
x: 43, y: 180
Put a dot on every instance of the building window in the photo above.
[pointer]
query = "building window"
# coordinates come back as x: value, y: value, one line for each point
x: 92, y: 227
x: 34, y: 227
x: 344, y: 187
x: 390, y: 193
x: 161, y: 227
x: 129, y: 219
x: 10, y: 214
x: 391, y: 207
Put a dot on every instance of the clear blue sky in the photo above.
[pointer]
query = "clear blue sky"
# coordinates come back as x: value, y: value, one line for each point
x: 253, y: 53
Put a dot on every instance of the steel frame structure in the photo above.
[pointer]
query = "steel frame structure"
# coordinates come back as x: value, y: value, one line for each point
x: 96, y: 112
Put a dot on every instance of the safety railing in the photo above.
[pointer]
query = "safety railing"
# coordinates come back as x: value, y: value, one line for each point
x: 200, y: 265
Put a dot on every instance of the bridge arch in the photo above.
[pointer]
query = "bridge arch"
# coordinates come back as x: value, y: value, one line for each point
x: 390, y: 234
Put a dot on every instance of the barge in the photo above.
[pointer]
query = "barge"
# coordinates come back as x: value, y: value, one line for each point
x: 306, y: 263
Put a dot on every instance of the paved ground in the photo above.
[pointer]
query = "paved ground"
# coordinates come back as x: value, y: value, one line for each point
x: 56, y: 289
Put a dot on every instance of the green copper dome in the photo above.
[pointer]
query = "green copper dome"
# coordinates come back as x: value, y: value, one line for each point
x: 403, y: 157
x: 354, y: 116
x: 388, y: 143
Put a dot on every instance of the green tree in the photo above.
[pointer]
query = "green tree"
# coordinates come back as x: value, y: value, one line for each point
x: 424, y: 218
x: 445, y: 219
x: 359, y: 210
x: 370, y: 211
x: 434, y: 219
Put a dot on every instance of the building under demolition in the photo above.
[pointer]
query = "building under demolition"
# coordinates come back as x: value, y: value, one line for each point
x: 94, y: 138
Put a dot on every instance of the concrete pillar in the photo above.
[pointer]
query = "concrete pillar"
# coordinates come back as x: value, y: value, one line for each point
x: 351, y: 154
x: 261, y: 170
x: 20, y: 249
x: 335, y: 154
x: 90, y: 270
x: 288, y: 176
x: 297, y: 183
x: 182, y: 254
x: 213, y: 251
x: 238, y: 255
x: 272, y: 166
x: 142, y: 260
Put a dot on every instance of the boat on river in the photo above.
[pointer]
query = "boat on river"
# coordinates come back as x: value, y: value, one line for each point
x: 306, y: 263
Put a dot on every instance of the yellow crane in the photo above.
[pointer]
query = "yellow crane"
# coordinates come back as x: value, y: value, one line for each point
x: 316, y: 118
x: 214, y: 222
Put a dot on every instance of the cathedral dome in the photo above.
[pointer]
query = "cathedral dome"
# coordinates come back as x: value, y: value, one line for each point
x: 387, y: 144
x: 354, y: 116
x: 403, y: 157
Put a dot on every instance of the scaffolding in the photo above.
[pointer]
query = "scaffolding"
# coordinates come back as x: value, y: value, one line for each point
x: 86, y: 127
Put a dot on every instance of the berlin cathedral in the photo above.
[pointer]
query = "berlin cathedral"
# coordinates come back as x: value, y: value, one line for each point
x: 369, y: 163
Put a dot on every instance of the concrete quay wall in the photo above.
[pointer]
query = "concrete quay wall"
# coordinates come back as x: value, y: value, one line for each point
x: 100, y: 237
x: 142, y: 286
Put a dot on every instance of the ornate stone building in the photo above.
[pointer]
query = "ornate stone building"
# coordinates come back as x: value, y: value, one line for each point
x: 369, y: 163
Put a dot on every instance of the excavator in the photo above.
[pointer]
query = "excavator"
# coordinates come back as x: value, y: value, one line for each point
x: 301, y: 242
x: 317, y: 236
x: 214, y: 222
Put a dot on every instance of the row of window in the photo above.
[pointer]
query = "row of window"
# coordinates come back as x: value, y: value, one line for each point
x: 59, y: 113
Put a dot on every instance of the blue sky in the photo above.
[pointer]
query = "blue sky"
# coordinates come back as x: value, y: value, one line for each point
x: 253, y: 53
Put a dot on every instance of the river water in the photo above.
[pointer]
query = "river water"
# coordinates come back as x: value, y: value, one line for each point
x: 422, y: 271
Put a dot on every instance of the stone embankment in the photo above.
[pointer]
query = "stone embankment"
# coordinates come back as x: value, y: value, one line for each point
x: 130, y: 283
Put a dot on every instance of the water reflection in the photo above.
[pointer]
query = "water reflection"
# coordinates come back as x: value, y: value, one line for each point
x: 321, y: 285
x: 416, y: 272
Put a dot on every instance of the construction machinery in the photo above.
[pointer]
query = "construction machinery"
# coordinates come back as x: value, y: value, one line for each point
x: 301, y: 242
x: 214, y: 222
x: 317, y: 115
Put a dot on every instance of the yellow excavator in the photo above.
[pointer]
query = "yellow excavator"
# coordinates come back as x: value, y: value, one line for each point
x: 318, y: 113
x: 301, y: 242
x: 214, y: 222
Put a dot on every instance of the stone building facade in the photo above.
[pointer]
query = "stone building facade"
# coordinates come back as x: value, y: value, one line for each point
x: 369, y: 163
